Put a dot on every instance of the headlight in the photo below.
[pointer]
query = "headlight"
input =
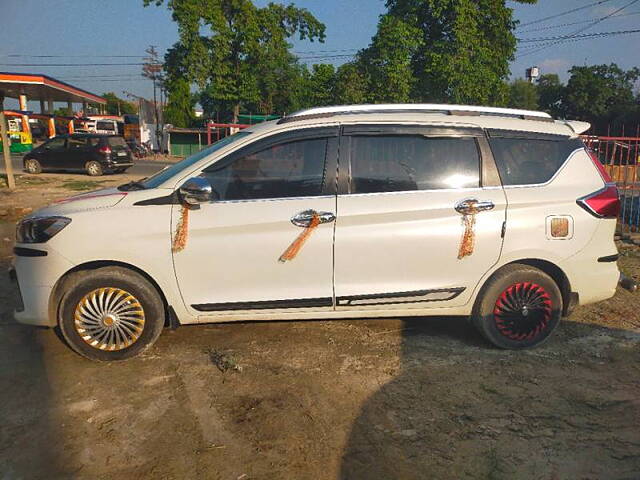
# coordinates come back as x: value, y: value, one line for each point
x: 39, y: 229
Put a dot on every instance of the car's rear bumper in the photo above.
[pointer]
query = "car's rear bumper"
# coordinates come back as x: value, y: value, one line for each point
x: 592, y: 281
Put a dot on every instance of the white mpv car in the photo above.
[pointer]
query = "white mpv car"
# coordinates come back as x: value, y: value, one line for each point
x: 339, y: 212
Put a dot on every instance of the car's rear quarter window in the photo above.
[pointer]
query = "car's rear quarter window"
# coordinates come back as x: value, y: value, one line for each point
x: 117, y: 142
x: 530, y: 161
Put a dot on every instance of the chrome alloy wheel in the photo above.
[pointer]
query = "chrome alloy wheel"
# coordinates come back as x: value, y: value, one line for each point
x: 31, y: 166
x: 109, y: 319
x: 93, y: 169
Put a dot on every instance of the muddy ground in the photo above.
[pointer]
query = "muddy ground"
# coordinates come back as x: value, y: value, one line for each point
x: 365, y: 399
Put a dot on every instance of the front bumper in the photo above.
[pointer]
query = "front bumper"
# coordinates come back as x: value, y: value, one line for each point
x: 36, y: 278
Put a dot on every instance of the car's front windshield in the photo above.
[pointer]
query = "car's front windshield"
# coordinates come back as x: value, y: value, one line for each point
x: 164, y: 175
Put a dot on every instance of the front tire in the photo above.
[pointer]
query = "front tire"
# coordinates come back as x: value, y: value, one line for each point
x: 110, y: 314
x: 32, y: 166
x: 93, y: 168
x: 518, y: 308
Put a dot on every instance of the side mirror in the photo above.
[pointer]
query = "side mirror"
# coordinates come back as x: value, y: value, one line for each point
x: 195, y: 191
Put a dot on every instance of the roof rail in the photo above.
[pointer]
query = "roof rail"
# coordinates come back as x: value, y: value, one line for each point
x: 320, y: 112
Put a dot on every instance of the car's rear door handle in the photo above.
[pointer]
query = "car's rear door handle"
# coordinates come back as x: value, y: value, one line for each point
x: 303, y: 219
x: 472, y: 205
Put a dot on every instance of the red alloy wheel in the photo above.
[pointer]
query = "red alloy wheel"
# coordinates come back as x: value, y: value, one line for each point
x: 523, y: 311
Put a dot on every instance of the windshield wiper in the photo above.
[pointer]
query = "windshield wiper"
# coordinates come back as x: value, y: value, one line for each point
x: 133, y: 185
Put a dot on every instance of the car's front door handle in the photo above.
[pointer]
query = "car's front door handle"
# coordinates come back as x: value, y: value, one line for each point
x: 472, y: 205
x: 303, y: 219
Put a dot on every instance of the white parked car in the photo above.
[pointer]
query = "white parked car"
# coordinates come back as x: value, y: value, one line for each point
x: 337, y: 212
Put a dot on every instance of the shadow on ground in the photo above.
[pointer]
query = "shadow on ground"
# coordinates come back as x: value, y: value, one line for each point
x: 568, y: 409
x: 374, y: 399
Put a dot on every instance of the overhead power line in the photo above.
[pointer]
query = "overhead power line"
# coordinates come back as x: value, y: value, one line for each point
x: 568, y: 40
x: 21, y: 55
x: 329, y: 51
x: 584, y: 35
x: 560, y: 25
x: 68, y: 64
x: 561, y: 14
x: 615, y: 12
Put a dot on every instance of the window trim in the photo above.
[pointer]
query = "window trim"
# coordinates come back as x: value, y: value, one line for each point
x: 532, y: 136
x: 491, y: 178
x: 555, y: 175
x: 524, y: 134
x: 330, y: 158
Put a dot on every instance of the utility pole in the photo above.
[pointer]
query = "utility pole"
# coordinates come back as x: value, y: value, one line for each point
x: 6, y: 146
x: 152, y: 69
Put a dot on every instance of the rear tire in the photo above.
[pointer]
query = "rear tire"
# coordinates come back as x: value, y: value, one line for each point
x: 120, y: 170
x: 110, y: 314
x: 93, y: 168
x: 519, y: 307
x: 32, y: 166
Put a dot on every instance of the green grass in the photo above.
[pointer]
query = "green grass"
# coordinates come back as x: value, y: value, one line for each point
x: 24, y: 180
x: 82, y: 185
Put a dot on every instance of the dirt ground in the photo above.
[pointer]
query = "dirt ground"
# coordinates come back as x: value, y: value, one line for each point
x: 364, y: 399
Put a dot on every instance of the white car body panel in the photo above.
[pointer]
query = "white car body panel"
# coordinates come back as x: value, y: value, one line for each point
x: 234, y: 247
x: 384, y: 243
x: 409, y: 241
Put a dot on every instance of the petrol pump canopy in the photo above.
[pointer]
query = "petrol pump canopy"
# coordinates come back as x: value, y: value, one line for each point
x: 37, y: 86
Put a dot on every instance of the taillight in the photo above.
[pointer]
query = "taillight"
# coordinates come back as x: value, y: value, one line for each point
x: 106, y: 150
x: 603, y: 173
x: 604, y: 203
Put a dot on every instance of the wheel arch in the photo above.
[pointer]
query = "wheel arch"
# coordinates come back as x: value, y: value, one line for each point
x: 59, y: 288
x: 551, y: 269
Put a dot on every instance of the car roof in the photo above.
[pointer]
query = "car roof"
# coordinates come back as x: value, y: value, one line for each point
x: 435, y: 115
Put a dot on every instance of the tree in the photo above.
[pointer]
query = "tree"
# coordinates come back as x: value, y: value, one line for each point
x: 464, y: 48
x: 600, y: 92
x: 63, y: 112
x: 387, y: 61
x: 179, y: 111
x: 118, y: 106
x: 351, y: 85
x: 550, y: 93
x: 320, y: 85
x: 523, y: 94
x: 235, y: 51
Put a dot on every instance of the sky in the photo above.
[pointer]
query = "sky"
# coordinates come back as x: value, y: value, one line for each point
x: 85, y: 31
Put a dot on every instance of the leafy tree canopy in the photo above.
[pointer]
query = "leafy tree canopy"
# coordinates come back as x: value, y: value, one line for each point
x: 523, y: 94
x: 550, y: 92
x: 599, y: 91
x: 462, y: 53
x: 118, y: 106
x: 237, y: 52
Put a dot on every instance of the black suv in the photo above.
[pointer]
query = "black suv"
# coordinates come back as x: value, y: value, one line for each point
x: 92, y: 153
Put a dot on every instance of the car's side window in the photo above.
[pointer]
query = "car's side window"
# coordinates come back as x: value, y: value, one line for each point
x: 292, y: 169
x: 56, y: 143
x: 76, y: 143
x: 398, y: 163
x: 530, y: 161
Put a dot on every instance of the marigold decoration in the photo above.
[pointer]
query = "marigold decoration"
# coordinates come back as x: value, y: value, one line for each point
x: 469, y: 236
x: 180, y: 238
x: 293, y: 249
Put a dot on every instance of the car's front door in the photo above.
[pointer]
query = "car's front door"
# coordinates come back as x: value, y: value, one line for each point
x: 420, y: 217
x: 234, y: 254
x: 53, y: 153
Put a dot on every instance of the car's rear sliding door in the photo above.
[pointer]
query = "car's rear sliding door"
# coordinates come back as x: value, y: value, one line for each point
x: 418, y: 222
